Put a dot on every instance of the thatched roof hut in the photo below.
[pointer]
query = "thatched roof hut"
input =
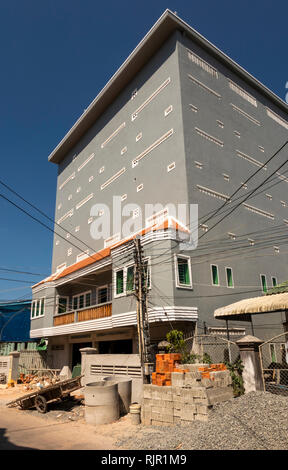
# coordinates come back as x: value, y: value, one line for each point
x: 275, y: 300
x: 243, y: 309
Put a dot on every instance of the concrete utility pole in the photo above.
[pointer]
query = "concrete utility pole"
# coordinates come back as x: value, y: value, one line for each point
x: 141, y: 277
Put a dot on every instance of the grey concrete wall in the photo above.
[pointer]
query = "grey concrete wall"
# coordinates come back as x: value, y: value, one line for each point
x: 46, y: 320
x: 247, y: 262
x: 113, y: 361
x: 153, y: 124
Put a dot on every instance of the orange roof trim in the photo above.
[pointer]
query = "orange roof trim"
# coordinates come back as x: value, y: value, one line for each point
x: 168, y: 223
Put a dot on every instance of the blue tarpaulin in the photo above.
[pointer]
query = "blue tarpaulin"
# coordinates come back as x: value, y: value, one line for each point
x: 15, y: 322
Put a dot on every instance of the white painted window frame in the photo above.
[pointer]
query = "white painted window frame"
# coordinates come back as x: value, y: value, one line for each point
x: 115, y: 271
x: 211, y: 273
x: 78, y: 296
x: 41, y: 300
x: 57, y: 303
x: 105, y: 286
x: 226, y: 268
x: 264, y: 275
x: 178, y: 284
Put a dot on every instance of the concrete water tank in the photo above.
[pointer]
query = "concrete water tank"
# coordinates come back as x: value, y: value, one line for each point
x: 101, y: 402
x: 124, y: 391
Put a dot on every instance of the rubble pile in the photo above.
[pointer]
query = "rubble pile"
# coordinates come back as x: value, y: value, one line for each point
x: 34, y: 382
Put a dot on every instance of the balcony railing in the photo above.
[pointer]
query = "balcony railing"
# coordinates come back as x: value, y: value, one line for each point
x: 86, y: 314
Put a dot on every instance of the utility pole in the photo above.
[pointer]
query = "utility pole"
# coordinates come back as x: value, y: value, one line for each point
x: 141, y: 277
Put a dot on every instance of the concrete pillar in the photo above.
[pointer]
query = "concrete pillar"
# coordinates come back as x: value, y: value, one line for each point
x: 249, y: 354
x: 285, y: 327
x: 85, y: 353
x: 14, y: 366
x: 285, y: 323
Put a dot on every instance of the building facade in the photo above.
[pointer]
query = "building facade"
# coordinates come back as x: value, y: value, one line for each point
x: 172, y: 136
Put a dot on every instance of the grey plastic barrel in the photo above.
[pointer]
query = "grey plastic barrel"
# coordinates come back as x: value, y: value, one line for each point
x: 101, y: 403
x: 124, y: 391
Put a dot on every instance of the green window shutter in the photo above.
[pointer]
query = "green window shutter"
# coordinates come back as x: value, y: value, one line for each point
x: 183, y: 271
x: 229, y: 277
x: 146, y: 274
x: 215, y: 277
x: 274, y: 281
x: 130, y: 279
x: 119, y: 282
x: 263, y: 282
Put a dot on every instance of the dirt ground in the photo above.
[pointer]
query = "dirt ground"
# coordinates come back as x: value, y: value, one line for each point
x: 63, y: 427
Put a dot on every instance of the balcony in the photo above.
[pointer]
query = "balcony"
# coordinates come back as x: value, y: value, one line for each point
x: 85, y: 314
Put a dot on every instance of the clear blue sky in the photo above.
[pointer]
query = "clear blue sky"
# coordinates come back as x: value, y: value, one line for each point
x: 55, y: 58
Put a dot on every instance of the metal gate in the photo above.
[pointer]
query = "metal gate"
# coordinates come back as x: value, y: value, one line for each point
x: 274, y: 364
x: 212, y: 347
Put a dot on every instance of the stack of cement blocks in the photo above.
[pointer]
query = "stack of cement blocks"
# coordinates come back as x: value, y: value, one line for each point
x: 189, y: 398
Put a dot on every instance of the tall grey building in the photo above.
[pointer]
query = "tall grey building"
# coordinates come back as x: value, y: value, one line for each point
x: 180, y: 125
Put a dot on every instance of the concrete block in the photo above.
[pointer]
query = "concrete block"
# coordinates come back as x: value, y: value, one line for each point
x: 155, y: 416
x: 146, y: 412
x: 193, y: 367
x: 188, y: 414
x: 188, y: 382
x: 177, y: 412
x: 201, y: 401
x: 194, y: 375
x: 146, y: 402
x: 207, y: 383
x: 162, y: 393
x: 194, y: 392
x: 178, y: 400
x: 160, y: 423
x: 218, y: 395
x: 187, y: 408
x: 220, y: 374
x: 199, y: 417
x: 177, y: 379
x: 162, y: 403
x: 202, y: 409
x: 162, y: 411
x: 147, y: 393
x: 160, y: 416
x: 146, y: 421
x: 176, y: 391
x: 187, y: 397
x: 167, y: 418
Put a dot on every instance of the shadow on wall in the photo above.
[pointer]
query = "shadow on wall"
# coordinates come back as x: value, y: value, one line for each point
x: 6, y: 445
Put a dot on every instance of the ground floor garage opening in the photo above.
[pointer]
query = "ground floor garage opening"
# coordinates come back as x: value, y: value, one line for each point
x: 124, y: 346
x: 76, y: 354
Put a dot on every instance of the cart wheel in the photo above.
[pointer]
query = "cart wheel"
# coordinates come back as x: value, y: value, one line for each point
x: 41, y: 404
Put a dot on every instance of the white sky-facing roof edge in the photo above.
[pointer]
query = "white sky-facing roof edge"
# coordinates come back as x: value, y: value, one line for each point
x: 160, y: 31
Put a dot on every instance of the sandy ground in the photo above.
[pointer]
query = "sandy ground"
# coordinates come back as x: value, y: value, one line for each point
x: 58, y: 429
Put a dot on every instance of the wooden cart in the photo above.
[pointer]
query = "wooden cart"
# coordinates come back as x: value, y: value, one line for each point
x: 40, y: 398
